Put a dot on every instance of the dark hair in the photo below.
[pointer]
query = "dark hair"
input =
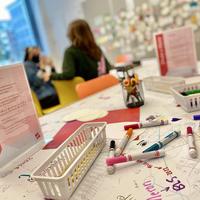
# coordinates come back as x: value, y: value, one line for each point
x: 28, y: 50
x: 26, y: 54
x: 81, y: 36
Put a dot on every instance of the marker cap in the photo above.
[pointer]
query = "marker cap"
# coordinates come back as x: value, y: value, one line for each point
x: 174, y: 119
x: 196, y: 117
x: 112, y: 144
x: 114, y: 160
x: 189, y: 130
x: 129, y: 132
x: 133, y: 126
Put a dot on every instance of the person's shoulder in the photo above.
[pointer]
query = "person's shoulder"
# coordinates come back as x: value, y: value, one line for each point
x: 73, y: 51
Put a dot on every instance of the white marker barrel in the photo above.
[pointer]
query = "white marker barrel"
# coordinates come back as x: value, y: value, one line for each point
x: 191, y: 143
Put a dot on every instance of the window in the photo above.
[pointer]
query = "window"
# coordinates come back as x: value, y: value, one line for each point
x: 16, y: 30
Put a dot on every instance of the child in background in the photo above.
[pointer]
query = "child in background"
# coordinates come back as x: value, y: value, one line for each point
x: 39, y: 82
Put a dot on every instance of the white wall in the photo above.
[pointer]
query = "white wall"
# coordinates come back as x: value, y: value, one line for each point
x: 54, y: 17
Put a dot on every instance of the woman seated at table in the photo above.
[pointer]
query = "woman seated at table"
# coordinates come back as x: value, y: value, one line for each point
x: 39, y: 82
x: 83, y: 58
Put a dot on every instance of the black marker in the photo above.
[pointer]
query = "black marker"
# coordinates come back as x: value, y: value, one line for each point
x: 111, y: 169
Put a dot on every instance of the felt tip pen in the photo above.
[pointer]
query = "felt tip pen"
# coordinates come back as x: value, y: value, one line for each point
x: 111, y: 169
x: 112, y: 148
x: 136, y: 156
x: 190, y: 92
x: 124, y: 142
x: 196, y: 117
x: 163, y: 142
x: 146, y: 124
x: 191, y: 143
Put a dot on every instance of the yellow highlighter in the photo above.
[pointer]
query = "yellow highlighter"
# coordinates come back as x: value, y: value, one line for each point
x: 124, y: 142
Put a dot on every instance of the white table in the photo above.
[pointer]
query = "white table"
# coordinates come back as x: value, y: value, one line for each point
x: 11, y: 187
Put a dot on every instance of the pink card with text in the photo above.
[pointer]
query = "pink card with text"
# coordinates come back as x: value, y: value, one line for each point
x: 176, y: 52
x: 19, y: 125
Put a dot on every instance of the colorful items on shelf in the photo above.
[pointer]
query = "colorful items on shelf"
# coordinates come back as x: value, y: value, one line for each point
x: 131, y: 31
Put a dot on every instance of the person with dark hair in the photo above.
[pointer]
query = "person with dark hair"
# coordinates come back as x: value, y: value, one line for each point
x: 39, y: 83
x: 84, y: 57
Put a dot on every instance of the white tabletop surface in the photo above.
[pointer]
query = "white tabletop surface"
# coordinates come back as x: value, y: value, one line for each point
x: 11, y: 187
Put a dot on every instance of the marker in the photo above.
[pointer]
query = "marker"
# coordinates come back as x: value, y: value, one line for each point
x: 152, y: 117
x: 191, y: 143
x: 132, y: 157
x: 175, y: 119
x: 26, y: 175
x: 146, y: 124
x: 111, y: 169
x: 190, y: 92
x: 163, y: 142
x: 196, y: 117
x: 124, y: 142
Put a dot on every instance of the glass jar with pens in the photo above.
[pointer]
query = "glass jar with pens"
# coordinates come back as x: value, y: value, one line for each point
x: 131, y: 86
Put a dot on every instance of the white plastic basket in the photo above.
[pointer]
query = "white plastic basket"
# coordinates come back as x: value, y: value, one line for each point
x: 189, y: 103
x: 61, y: 173
x: 162, y: 83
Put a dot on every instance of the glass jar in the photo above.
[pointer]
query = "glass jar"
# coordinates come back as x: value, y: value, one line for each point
x: 131, y: 86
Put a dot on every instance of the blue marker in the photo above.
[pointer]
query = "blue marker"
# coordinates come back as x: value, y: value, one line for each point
x: 163, y: 142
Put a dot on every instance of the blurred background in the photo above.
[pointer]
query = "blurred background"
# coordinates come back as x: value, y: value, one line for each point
x: 120, y: 26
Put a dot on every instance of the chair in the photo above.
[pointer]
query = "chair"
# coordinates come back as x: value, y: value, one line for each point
x: 66, y: 90
x: 66, y: 93
x: 37, y: 104
x: 95, y: 85
x: 38, y: 107
x: 123, y: 58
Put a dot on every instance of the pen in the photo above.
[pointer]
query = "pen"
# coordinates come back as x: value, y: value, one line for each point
x: 146, y: 124
x: 132, y: 157
x: 124, y: 142
x: 196, y: 117
x: 163, y: 142
x: 112, y: 148
x: 111, y: 169
x: 191, y: 143
x: 186, y: 93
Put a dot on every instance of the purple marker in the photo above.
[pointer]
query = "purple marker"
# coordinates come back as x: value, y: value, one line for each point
x: 174, y: 119
x: 196, y: 117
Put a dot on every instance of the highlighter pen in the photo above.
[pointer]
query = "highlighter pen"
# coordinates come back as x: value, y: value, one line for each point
x: 163, y: 142
x: 124, y: 142
x: 191, y: 143
x: 146, y: 124
x: 111, y: 169
x: 136, y: 156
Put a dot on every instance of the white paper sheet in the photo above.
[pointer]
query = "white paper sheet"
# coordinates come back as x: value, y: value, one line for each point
x: 173, y: 177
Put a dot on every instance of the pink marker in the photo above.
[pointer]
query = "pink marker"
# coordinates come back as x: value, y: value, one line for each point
x: 139, y: 156
x: 146, y: 124
x: 191, y: 143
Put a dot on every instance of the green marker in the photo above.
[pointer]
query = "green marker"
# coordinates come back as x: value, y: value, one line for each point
x: 190, y: 92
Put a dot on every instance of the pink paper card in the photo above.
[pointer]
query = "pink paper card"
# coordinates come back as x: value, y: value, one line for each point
x: 19, y: 126
x: 176, y: 52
